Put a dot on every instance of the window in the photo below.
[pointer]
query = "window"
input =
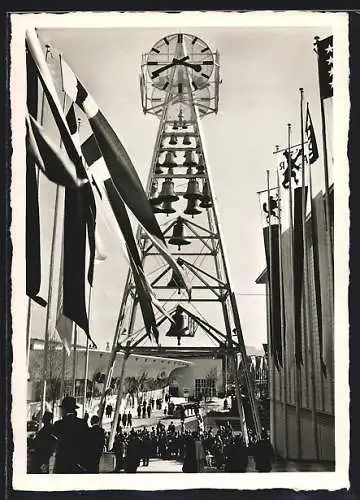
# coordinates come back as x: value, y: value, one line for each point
x: 204, y: 386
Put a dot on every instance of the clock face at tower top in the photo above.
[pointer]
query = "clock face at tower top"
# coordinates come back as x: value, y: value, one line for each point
x: 180, y: 50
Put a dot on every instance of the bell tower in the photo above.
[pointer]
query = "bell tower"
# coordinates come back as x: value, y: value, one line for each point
x: 180, y: 85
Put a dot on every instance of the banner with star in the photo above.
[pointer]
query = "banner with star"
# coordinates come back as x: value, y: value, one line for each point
x: 325, y: 61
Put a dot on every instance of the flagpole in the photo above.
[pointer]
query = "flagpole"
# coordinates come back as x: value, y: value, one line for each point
x: 326, y: 173
x: 63, y: 369
x: 306, y: 304
x: 86, y: 371
x: 282, y: 325
x: 273, y: 354
x: 297, y: 368
x: 118, y: 400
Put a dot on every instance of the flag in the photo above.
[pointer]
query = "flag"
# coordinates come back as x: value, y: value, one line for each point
x: 119, y: 165
x: 79, y: 204
x: 312, y: 149
x: 49, y: 157
x: 270, y: 223
x: 325, y: 65
x: 33, y: 252
x: 64, y: 326
x: 298, y: 268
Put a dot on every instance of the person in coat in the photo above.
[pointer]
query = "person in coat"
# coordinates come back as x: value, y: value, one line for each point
x: 119, y: 450
x: 72, y: 434
x: 263, y: 453
x: 129, y: 419
x: 96, y: 445
x: 124, y: 419
x: 43, y: 446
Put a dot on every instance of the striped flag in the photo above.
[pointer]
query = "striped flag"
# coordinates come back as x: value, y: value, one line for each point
x: 119, y: 165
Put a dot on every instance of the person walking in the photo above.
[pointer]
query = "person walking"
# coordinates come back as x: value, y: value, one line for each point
x: 149, y: 410
x: 139, y: 411
x: 129, y: 419
x: 72, y: 435
x: 124, y: 419
x: 144, y: 411
x: 96, y: 445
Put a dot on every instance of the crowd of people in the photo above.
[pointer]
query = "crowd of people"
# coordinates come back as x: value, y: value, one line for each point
x: 78, y: 447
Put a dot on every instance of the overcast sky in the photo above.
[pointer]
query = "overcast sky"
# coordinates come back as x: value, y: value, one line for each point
x: 261, y: 69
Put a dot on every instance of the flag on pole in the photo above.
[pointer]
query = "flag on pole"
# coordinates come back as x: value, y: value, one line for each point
x: 312, y: 149
x: 325, y: 62
x: 79, y: 204
x: 119, y: 165
x: 270, y: 224
x: 290, y: 174
x: 33, y: 252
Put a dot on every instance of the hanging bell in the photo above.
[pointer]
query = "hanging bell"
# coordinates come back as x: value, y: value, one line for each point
x: 167, y: 192
x: 186, y: 140
x: 201, y: 166
x: 173, y: 140
x: 192, y: 207
x: 158, y: 170
x: 181, y: 123
x: 175, y: 126
x: 189, y: 159
x: 193, y: 191
x: 206, y: 201
x: 179, y: 327
x: 167, y: 208
x: 178, y: 237
x: 169, y: 160
x: 154, y: 194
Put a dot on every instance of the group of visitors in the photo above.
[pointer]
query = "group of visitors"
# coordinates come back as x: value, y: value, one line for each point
x: 230, y: 453
x: 78, y: 447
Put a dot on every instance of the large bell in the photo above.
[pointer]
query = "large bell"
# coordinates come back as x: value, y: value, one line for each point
x: 175, y: 126
x: 192, y: 207
x: 178, y: 237
x: 193, y: 191
x: 179, y: 327
x: 167, y: 208
x: 206, y: 201
x: 189, y: 159
x: 167, y: 192
x: 173, y: 140
x: 158, y: 170
x: 169, y: 160
x: 201, y: 166
x: 186, y: 140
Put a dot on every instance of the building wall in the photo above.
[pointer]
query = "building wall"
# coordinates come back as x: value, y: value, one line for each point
x: 316, y: 390
x: 200, y: 369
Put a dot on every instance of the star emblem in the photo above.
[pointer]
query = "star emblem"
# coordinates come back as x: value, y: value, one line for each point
x: 329, y: 48
x: 330, y: 60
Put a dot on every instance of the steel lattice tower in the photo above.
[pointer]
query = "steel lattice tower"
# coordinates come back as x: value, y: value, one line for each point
x: 180, y: 85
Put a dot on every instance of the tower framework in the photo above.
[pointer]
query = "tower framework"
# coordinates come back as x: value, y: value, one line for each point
x: 180, y: 85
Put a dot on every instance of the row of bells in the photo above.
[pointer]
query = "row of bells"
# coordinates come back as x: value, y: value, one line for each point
x: 189, y: 162
x: 167, y: 196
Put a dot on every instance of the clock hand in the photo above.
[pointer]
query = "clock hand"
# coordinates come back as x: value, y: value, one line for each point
x: 195, y: 67
x: 174, y: 62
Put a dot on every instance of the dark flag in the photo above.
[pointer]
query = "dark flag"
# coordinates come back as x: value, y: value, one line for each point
x: 33, y: 254
x: 298, y: 263
x: 270, y: 216
x: 325, y: 62
x: 313, y: 152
